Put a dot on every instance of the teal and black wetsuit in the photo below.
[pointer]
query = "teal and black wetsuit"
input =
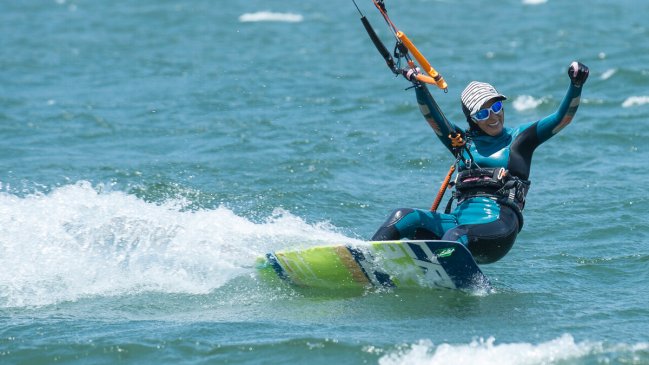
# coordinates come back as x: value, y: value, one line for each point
x: 488, y: 216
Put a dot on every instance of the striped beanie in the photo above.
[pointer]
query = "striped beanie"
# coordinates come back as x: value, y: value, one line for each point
x: 476, y: 94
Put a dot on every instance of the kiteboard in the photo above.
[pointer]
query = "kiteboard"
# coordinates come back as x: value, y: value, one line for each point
x: 391, y: 264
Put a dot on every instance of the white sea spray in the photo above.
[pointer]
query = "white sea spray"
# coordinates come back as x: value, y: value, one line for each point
x: 78, y: 241
x: 268, y: 16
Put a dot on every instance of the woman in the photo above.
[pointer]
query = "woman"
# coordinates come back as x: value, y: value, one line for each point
x: 493, y: 169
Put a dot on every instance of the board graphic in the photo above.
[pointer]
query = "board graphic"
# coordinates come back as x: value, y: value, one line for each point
x: 400, y: 264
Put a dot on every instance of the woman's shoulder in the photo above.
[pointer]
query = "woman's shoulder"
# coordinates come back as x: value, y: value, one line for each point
x: 516, y: 131
x: 524, y: 126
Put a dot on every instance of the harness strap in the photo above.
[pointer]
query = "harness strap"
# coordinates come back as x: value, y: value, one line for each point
x: 493, y: 183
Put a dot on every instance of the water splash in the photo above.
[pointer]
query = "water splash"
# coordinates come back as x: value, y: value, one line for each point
x: 608, y: 73
x: 534, y: 2
x: 632, y: 101
x: 487, y: 352
x: 526, y: 102
x: 80, y: 241
x: 267, y: 16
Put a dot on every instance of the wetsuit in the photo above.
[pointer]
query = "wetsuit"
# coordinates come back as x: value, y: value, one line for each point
x: 486, y: 222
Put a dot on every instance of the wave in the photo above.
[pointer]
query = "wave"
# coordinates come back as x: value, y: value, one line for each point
x: 635, y: 101
x: 526, y: 102
x: 487, y: 352
x: 267, y: 16
x: 608, y: 73
x: 534, y: 2
x: 79, y: 241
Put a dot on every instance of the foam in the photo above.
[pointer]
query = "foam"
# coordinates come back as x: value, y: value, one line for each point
x: 635, y: 101
x: 80, y: 241
x: 267, y: 16
x: 526, y: 102
x: 534, y: 2
x: 487, y: 352
x: 608, y: 73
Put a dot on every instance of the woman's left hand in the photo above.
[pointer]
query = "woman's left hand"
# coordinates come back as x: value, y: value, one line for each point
x: 578, y: 73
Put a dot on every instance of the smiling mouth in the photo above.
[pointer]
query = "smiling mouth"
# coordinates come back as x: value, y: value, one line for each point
x: 494, y: 124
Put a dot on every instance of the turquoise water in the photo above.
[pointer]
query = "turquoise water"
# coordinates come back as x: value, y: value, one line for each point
x: 152, y: 150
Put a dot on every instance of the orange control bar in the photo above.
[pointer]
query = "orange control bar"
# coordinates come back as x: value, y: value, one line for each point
x: 437, y: 79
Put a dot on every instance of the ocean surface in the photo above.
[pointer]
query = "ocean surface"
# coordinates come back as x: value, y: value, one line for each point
x: 150, y: 151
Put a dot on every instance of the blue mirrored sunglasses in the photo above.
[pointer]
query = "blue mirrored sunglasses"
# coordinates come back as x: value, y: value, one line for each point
x: 483, y: 114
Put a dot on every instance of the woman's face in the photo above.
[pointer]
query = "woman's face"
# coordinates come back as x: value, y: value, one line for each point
x: 493, y: 125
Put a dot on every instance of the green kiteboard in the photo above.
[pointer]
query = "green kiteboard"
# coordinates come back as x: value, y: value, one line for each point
x: 399, y: 264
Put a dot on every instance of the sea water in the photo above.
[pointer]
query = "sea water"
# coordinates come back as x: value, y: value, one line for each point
x: 151, y: 151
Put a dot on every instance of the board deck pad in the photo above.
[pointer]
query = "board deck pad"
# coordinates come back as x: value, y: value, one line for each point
x: 400, y: 264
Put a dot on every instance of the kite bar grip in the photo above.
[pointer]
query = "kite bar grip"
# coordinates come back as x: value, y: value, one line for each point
x: 379, y: 45
x: 436, y: 77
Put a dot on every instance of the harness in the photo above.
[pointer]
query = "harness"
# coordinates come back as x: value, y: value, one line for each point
x: 493, y: 183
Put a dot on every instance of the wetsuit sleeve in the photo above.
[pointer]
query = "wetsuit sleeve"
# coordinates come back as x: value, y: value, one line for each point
x: 434, y: 116
x: 552, y: 124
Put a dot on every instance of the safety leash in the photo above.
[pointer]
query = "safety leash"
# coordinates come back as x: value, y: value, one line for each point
x: 458, y: 143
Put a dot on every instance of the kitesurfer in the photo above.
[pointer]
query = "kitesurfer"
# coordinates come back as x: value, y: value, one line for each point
x: 493, y: 169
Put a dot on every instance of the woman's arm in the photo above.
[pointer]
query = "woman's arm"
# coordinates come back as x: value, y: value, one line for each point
x: 434, y: 116
x: 552, y: 124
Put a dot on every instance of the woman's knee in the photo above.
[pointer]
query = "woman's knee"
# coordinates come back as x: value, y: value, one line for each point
x: 397, y: 215
x: 389, y: 231
x: 410, y: 223
x: 490, y: 250
x: 488, y: 242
